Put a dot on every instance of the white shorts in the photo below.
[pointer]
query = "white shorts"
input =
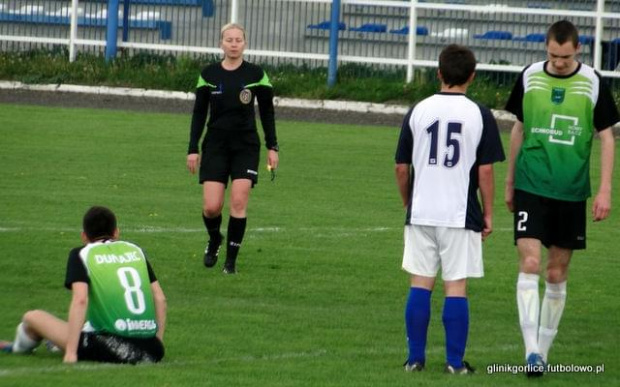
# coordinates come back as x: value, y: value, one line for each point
x: 457, y: 250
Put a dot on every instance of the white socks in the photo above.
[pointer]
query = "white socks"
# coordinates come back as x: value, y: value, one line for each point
x: 528, y: 302
x: 550, y: 314
x: 23, y: 343
x: 538, y: 337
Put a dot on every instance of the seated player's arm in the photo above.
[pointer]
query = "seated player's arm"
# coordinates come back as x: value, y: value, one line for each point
x: 160, y: 309
x: 77, y: 316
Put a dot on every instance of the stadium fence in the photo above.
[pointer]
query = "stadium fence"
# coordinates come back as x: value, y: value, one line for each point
x: 407, y: 34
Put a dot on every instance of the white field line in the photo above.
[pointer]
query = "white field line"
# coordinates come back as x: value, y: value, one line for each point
x: 317, y: 231
x: 383, y: 351
x: 180, y: 230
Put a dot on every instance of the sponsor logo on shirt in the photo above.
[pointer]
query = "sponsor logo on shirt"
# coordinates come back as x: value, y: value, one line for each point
x: 557, y: 95
x: 135, y: 325
x: 219, y: 90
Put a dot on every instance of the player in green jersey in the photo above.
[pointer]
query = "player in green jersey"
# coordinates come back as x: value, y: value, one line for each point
x: 118, y: 309
x: 560, y: 104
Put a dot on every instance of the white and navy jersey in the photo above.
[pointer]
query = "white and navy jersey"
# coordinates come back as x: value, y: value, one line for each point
x: 445, y: 138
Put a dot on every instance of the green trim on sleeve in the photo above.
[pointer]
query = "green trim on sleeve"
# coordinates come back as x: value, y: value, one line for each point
x: 263, y: 82
x: 202, y: 82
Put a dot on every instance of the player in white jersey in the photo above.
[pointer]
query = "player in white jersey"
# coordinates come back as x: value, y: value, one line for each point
x: 118, y: 309
x: 445, y: 155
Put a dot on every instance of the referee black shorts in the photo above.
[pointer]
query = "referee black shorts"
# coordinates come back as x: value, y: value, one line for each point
x: 108, y: 348
x: 554, y: 222
x: 231, y: 155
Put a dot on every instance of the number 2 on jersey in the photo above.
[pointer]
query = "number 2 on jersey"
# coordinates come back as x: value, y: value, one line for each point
x: 454, y: 128
x: 134, y: 297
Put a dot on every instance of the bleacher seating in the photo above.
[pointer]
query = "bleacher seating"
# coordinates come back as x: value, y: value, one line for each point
x: 586, y: 39
x: 531, y: 38
x: 167, y: 2
x: 208, y: 6
x: 497, y: 35
x: 31, y: 14
x: 97, y: 18
x: 326, y: 25
x: 612, y: 54
x: 419, y: 30
x: 370, y: 27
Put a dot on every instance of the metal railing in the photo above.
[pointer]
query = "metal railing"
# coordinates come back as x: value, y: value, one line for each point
x: 505, y: 35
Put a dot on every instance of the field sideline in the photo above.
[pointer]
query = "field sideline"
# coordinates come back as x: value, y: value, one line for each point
x: 320, y: 295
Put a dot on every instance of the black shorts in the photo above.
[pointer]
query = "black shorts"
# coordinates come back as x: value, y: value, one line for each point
x: 107, y: 348
x: 233, y: 155
x: 554, y: 222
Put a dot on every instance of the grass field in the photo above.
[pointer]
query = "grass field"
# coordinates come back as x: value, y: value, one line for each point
x: 319, y: 297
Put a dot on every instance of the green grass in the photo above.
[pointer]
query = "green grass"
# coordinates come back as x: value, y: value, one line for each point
x: 320, y: 294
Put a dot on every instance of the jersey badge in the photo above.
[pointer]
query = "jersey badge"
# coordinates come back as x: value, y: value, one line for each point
x: 557, y: 95
x: 245, y: 96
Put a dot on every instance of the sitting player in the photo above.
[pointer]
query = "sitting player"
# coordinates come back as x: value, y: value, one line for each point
x: 115, y: 316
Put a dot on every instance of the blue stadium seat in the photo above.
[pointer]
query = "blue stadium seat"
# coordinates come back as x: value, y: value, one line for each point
x: 497, y: 35
x: 36, y: 15
x: 208, y: 7
x: 612, y: 57
x: 370, y: 27
x: 325, y: 25
x: 537, y: 38
x: 420, y: 30
x: 586, y: 39
x: 166, y: 2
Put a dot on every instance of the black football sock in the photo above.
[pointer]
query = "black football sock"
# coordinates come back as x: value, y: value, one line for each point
x: 236, y: 230
x: 213, y: 226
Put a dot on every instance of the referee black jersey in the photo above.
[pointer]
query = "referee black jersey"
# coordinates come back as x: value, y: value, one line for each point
x: 230, y: 97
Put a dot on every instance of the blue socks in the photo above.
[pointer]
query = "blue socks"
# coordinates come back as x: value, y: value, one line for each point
x: 456, y: 323
x: 455, y: 320
x: 417, y: 317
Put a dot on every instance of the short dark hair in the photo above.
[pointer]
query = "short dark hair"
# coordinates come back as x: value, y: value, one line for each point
x: 456, y: 64
x: 99, y: 222
x: 563, y: 31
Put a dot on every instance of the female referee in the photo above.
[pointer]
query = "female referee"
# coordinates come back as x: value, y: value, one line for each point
x: 231, y: 145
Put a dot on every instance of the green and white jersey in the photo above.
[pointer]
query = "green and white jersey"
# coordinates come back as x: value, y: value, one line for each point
x: 559, y: 116
x: 119, y: 278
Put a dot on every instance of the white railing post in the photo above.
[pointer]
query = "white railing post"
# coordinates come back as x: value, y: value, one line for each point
x: 413, y: 27
x: 598, y: 33
x: 234, y: 11
x: 73, y: 30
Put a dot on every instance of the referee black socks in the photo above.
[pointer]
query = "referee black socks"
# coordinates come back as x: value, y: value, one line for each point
x: 236, y: 230
x: 213, y: 226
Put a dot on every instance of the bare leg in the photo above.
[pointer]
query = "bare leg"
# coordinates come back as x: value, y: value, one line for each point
x: 38, y: 325
x: 213, y: 198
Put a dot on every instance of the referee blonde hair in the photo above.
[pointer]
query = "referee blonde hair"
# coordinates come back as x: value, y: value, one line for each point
x: 231, y: 26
